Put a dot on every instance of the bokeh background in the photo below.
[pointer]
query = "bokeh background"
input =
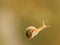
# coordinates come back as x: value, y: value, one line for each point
x: 17, y: 15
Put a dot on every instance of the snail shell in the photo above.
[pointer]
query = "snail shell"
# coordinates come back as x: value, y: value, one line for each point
x: 30, y: 31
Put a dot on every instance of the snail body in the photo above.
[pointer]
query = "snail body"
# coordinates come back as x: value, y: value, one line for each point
x: 32, y: 31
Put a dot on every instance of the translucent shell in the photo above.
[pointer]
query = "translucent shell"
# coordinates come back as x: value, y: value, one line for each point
x: 29, y: 32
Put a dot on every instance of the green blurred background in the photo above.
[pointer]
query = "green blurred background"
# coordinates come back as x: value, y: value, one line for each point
x: 17, y: 15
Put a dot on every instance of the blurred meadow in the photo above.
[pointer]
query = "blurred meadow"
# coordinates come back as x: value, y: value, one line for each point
x: 17, y: 15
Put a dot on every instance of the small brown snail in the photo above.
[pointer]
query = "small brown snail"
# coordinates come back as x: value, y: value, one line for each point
x: 32, y: 31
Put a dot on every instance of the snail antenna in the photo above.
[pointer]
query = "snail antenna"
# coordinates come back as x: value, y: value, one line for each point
x: 44, y: 24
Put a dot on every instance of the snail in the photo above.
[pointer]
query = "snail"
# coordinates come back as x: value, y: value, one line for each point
x: 32, y: 31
